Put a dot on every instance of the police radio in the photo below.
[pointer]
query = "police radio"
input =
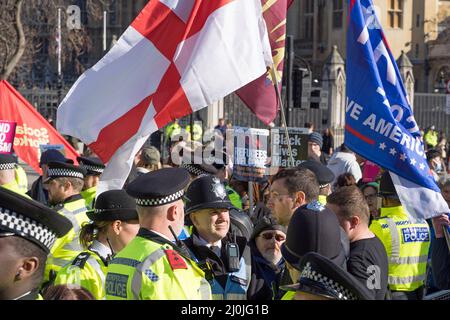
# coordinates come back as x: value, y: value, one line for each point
x: 232, y: 250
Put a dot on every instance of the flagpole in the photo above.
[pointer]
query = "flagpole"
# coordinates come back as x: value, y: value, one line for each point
x: 283, y: 117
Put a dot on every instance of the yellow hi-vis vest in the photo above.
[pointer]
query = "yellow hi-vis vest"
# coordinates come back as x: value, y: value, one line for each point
x: 68, y: 247
x: 142, y: 271
x: 87, y: 271
x: 89, y: 196
x: 14, y: 187
x: 198, y: 132
x: 407, y: 245
x: 21, y: 179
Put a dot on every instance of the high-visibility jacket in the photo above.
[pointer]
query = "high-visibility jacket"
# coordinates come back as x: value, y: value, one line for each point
x: 289, y: 295
x: 322, y: 199
x: 152, y: 268
x: 198, y: 132
x: 14, y: 187
x: 21, y: 179
x: 89, y: 196
x: 234, y: 197
x: 87, y: 270
x: 431, y: 138
x: 172, y: 130
x: 407, y: 245
x: 68, y: 247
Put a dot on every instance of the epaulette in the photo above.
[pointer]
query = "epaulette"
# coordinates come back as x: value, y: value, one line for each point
x: 81, y: 259
x: 315, y: 206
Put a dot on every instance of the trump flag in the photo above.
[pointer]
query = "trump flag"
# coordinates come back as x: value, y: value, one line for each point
x: 380, y: 124
x: 178, y: 56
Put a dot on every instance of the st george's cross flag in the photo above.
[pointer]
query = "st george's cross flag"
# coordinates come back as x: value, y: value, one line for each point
x: 178, y: 56
x: 380, y: 124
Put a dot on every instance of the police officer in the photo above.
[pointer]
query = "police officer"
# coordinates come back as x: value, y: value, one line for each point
x: 28, y: 230
x: 406, y: 242
x: 322, y: 279
x: 114, y: 224
x: 64, y: 183
x: 172, y: 130
x: 94, y: 168
x: 324, y: 176
x: 225, y: 256
x: 155, y: 265
x: 197, y: 132
x: 8, y: 174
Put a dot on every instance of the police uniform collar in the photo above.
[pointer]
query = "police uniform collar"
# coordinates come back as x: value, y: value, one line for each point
x: 101, y: 250
x: 73, y: 198
x: 398, y: 211
x: 153, y: 236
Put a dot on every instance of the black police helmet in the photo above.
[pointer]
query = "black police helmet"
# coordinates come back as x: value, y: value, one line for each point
x: 207, y: 192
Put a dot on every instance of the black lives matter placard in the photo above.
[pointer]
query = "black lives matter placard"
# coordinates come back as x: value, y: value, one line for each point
x: 298, y: 140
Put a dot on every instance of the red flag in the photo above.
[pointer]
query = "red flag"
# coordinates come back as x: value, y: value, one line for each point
x: 260, y: 95
x: 32, y: 129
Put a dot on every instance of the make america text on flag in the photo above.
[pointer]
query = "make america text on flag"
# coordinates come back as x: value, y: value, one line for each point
x: 380, y: 124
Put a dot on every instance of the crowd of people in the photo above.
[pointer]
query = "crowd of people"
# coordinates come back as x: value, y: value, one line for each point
x: 331, y: 228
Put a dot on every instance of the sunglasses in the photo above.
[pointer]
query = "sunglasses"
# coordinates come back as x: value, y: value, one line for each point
x: 270, y: 235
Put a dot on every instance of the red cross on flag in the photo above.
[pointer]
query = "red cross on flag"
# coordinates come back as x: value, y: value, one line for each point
x: 178, y: 56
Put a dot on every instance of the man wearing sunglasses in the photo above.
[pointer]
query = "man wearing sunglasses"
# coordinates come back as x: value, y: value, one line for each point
x: 267, y: 262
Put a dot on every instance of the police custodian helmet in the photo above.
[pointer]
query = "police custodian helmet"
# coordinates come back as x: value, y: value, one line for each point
x: 207, y: 192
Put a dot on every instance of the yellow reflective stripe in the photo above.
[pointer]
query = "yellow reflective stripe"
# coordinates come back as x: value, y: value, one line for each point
x: 409, y: 260
x: 392, y: 280
x: 136, y: 282
x: 94, y: 264
x: 395, y: 239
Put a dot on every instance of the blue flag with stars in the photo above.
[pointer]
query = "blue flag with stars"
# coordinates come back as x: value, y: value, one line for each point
x: 380, y: 124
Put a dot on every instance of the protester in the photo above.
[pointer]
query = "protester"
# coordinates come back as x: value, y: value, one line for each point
x: 324, y: 176
x: 435, y: 163
x: 156, y: 265
x: 322, y: 279
x: 24, y: 250
x: 291, y: 189
x: 149, y: 160
x: 344, y: 161
x: 64, y: 183
x: 345, y: 180
x: 368, y: 261
x: 114, y: 224
x: 440, y: 252
x: 315, y: 144
x: 37, y: 191
x: 221, y: 127
x: 267, y: 262
x: 370, y: 192
x: 328, y: 142
x: 94, y: 168
x: 211, y: 243
x: 406, y: 242
x: 313, y: 228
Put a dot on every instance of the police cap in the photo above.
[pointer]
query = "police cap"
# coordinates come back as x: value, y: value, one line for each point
x: 31, y: 220
x: 207, y: 192
x: 7, y: 162
x: 114, y: 205
x: 51, y: 155
x: 93, y: 165
x: 322, y: 277
x: 313, y: 228
x: 198, y: 170
x: 324, y: 175
x: 64, y: 170
x: 159, y: 187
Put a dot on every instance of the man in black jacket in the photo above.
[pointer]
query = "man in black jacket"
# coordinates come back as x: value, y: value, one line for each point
x: 267, y: 262
x: 440, y: 253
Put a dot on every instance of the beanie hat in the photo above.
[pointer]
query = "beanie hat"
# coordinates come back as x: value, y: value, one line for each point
x: 316, y: 138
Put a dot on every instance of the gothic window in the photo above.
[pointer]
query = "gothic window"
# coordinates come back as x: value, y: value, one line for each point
x: 308, y: 26
x: 338, y: 13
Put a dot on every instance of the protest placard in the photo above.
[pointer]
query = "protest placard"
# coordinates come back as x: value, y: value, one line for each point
x: 298, y: 141
x: 7, y: 134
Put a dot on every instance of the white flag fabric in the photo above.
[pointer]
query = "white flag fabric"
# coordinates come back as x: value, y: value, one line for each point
x: 178, y: 56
